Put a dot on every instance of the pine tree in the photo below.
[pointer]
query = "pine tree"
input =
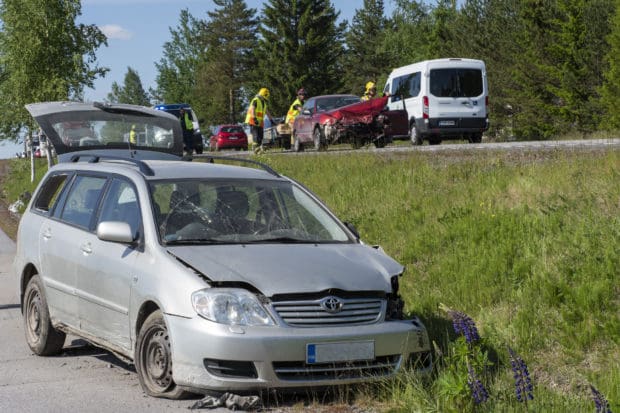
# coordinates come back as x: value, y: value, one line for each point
x: 610, y: 90
x: 406, y: 38
x: 44, y: 56
x: 301, y: 45
x: 229, y: 38
x: 365, y: 59
x: 131, y: 91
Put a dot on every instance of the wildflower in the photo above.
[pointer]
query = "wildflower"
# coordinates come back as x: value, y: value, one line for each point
x: 478, y: 392
x: 523, y: 383
x: 463, y: 324
x: 602, y: 405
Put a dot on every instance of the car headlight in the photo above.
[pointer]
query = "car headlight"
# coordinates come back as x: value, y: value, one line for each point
x: 230, y: 306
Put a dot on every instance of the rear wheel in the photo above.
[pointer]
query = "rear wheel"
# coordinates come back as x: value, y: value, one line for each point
x: 356, y: 142
x: 286, y: 142
x: 154, y: 359
x: 475, y: 138
x: 43, y: 339
x: 416, y: 138
x: 380, y: 142
x: 297, y: 146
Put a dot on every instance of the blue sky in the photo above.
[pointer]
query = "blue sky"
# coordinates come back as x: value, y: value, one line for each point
x: 137, y: 30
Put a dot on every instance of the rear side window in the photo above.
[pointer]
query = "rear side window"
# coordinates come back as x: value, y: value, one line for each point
x: 406, y: 86
x: 50, y: 191
x: 456, y: 83
x: 81, y: 204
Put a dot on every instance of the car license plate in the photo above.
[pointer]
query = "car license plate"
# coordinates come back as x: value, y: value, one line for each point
x: 446, y: 123
x: 336, y: 352
x: 233, y: 138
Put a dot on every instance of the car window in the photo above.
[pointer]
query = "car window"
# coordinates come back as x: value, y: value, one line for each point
x: 50, y: 191
x: 121, y: 204
x: 405, y: 86
x: 456, y: 82
x: 334, y: 102
x: 309, y: 105
x: 240, y: 211
x: 232, y: 129
x: 81, y: 203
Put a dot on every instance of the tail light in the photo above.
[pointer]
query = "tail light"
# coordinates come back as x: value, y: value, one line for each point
x: 425, y: 107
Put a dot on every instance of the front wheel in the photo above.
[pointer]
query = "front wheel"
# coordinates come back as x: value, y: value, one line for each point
x: 416, y: 138
x: 43, y: 339
x: 319, y: 142
x: 154, y: 359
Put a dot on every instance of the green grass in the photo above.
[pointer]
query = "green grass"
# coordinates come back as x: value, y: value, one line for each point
x: 527, y: 245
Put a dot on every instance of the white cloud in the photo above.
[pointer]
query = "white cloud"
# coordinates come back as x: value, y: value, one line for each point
x: 114, y: 31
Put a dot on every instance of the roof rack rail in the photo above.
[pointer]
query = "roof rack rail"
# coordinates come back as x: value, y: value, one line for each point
x: 143, y: 167
x: 265, y: 167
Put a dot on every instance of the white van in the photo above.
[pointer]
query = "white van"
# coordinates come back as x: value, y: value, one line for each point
x: 444, y: 99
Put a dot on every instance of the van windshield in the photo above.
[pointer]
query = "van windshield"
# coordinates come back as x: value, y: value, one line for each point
x: 456, y: 82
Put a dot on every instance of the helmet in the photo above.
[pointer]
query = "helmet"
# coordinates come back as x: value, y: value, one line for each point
x: 264, y: 92
x: 302, y: 92
x: 370, y: 85
x: 133, y: 126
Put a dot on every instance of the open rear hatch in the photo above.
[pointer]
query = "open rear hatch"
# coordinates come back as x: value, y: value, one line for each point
x: 86, y: 127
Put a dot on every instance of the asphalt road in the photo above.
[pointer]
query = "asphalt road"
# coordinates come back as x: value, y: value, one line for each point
x: 82, y: 379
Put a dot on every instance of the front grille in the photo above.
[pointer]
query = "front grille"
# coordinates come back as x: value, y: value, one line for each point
x: 311, y: 313
x: 300, y: 371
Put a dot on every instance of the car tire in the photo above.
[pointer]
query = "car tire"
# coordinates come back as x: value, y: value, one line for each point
x: 475, y: 138
x: 319, y: 141
x: 286, y: 142
x: 42, y: 338
x: 380, y: 142
x: 153, y: 359
x: 297, y: 145
x: 356, y: 142
x: 416, y: 138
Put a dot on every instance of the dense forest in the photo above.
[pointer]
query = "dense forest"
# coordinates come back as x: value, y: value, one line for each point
x: 552, y: 65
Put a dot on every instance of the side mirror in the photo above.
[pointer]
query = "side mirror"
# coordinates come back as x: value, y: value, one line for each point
x: 352, y: 228
x: 115, y: 231
x: 306, y: 112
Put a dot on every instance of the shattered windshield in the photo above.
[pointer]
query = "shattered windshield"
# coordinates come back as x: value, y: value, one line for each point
x: 247, y: 211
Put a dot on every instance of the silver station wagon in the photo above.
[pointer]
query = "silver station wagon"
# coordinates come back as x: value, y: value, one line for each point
x: 210, y: 277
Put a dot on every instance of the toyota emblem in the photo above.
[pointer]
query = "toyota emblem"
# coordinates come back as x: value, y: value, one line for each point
x: 331, y: 304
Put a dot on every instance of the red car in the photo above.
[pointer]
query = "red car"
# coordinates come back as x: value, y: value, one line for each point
x: 330, y: 119
x: 229, y: 137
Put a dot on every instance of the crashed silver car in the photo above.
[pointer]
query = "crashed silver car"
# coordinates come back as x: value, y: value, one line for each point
x: 209, y: 277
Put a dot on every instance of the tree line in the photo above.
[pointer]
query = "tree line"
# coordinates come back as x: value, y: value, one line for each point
x: 553, y: 66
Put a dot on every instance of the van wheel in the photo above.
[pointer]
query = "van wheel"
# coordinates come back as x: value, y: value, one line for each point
x: 154, y: 359
x: 416, y: 138
x: 43, y: 339
x: 475, y: 138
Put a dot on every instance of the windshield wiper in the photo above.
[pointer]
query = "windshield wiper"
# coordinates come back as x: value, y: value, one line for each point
x: 284, y: 240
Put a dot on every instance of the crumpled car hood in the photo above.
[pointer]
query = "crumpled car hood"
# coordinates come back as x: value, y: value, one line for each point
x: 299, y: 268
x: 363, y: 112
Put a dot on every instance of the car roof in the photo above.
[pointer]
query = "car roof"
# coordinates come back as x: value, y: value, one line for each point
x: 335, y: 96
x: 158, y: 169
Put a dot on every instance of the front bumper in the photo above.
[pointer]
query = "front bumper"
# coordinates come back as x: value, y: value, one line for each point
x: 216, y: 357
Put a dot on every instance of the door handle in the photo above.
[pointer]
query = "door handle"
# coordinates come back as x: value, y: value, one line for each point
x: 47, y: 233
x: 86, y: 248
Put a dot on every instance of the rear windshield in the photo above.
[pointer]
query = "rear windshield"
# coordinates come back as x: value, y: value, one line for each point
x: 456, y: 83
x: 232, y: 129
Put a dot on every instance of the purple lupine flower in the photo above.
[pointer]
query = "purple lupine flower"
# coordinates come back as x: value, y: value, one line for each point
x: 601, y: 403
x: 463, y: 324
x: 478, y: 391
x: 523, y: 383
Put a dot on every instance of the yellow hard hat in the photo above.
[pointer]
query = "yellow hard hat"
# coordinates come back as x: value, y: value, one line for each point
x: 370, y: 85
x: 264, y: 92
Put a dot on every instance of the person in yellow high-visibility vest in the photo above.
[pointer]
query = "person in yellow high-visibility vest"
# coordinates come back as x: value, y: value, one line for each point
x: 371, y: 91
x: 132, y: 135
x: 256, y: 116
x: 187, y: 126
x: 295, y: 108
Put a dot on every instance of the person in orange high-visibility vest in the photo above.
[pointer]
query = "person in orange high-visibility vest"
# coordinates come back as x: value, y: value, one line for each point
x: 256, y: 116
x: 295, y: 108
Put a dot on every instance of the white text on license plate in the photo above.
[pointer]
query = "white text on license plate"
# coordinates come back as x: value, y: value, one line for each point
x: 446, y: 123
x: 335, y: 352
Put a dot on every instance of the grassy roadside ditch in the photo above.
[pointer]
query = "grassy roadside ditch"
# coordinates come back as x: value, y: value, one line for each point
x: 519, y: 252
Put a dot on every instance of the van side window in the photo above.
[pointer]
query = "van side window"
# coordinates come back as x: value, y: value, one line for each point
x: 456, y: 83
x: 81, y: 204
x: 406, y: 86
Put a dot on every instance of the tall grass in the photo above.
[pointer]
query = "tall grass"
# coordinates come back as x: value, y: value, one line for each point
x: 527, y: 245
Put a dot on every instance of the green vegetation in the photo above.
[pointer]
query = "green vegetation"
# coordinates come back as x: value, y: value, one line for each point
x: 525, y: 244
